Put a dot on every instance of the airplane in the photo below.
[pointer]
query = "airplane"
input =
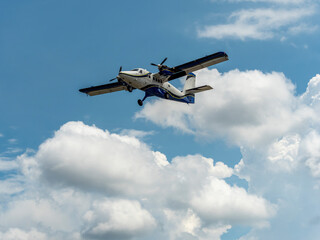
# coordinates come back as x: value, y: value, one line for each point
x: 157, y: 84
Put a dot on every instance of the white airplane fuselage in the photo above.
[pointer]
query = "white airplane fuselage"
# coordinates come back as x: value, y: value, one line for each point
x: 144, y: 80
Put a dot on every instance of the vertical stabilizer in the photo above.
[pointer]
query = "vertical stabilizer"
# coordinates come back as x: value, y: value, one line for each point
x: 190, y: 82
x: 190, y: 85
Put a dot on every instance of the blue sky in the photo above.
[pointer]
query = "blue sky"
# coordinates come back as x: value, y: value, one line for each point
x: 254, y: 139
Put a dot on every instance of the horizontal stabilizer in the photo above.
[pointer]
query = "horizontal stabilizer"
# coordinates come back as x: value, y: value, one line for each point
x: 198, y: 89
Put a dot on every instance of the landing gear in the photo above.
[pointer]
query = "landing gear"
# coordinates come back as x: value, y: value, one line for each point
x: 140, y: 102
x: 166, y: 95
x: 129, y: 88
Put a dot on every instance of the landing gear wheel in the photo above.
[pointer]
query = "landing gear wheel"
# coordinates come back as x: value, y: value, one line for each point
x: 140, y: 102
x: 129, y: 88
x: 166, y: 95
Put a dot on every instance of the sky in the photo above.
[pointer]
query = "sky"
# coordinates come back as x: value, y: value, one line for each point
x: 242, y: 163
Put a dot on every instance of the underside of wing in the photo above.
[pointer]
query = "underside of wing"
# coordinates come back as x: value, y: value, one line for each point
x: 184, y: 69
x: 102, y: 89
x: 198, y: 89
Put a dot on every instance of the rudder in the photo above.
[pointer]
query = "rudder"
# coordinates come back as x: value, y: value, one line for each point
x: 190, y: 82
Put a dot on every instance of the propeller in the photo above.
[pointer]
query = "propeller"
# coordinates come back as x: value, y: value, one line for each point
x: 116, y: 77
x: 159, y: 65
x: 112, y: 79
x: 163, y: 61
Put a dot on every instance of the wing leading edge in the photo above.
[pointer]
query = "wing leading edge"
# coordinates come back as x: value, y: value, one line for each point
x: 184, y: 69
x: 101, y: 89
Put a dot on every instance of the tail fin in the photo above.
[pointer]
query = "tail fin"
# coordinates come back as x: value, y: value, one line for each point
x: 190, y: 85
x: 190, y: 82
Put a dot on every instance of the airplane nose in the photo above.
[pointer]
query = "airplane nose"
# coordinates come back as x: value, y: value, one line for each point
x: 122, y: 74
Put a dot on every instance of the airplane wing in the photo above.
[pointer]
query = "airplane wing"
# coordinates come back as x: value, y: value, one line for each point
x: 101, y: 89
x: 168, y: 74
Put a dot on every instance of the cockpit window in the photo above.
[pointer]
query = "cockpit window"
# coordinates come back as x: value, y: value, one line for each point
x: 136, y: 70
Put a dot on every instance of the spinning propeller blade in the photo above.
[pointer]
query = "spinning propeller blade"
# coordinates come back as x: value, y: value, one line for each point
x: 159, y: 65
x: 116, y: 77
x: 163, y: 61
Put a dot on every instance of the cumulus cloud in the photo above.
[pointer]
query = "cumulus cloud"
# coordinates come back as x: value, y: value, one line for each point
x: 261, y: 24
x: 235, y: 205
x: 278, y: 135
x: 18, y: 234
x: 185, y: 224
x: 284, y: 153
x: 90, y: 158
x: 248, y: 108
x: 311, y: 152
x: 87, y: 183
x: 117, y: 219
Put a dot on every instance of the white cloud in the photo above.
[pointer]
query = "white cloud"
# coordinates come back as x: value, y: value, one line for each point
x: 219, y: 202
x: 117, y: 219
x: 6, y: 165
x: 136, y: 133
x: 284, y: 153
x: 278, y: 134
x: 12, y: 150
x: 185, y: 224
x: 261, y: 24
x: 18, y: 234
x: 30, y: 213
x: 99, y: 184
x: 302, y: 28
x: 89, y: 158
x: 10, y: 186
x: 312, y: 94
x: 311, y: 152
x: 248, y: 108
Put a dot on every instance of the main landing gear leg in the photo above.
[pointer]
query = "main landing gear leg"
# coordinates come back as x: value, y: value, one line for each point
x: 140, y: 102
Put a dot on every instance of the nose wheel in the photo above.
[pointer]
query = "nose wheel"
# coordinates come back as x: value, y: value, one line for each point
x: 140, y: 102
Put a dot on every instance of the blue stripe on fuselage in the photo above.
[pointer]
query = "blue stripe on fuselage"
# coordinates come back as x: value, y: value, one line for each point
x: 153, y: 90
